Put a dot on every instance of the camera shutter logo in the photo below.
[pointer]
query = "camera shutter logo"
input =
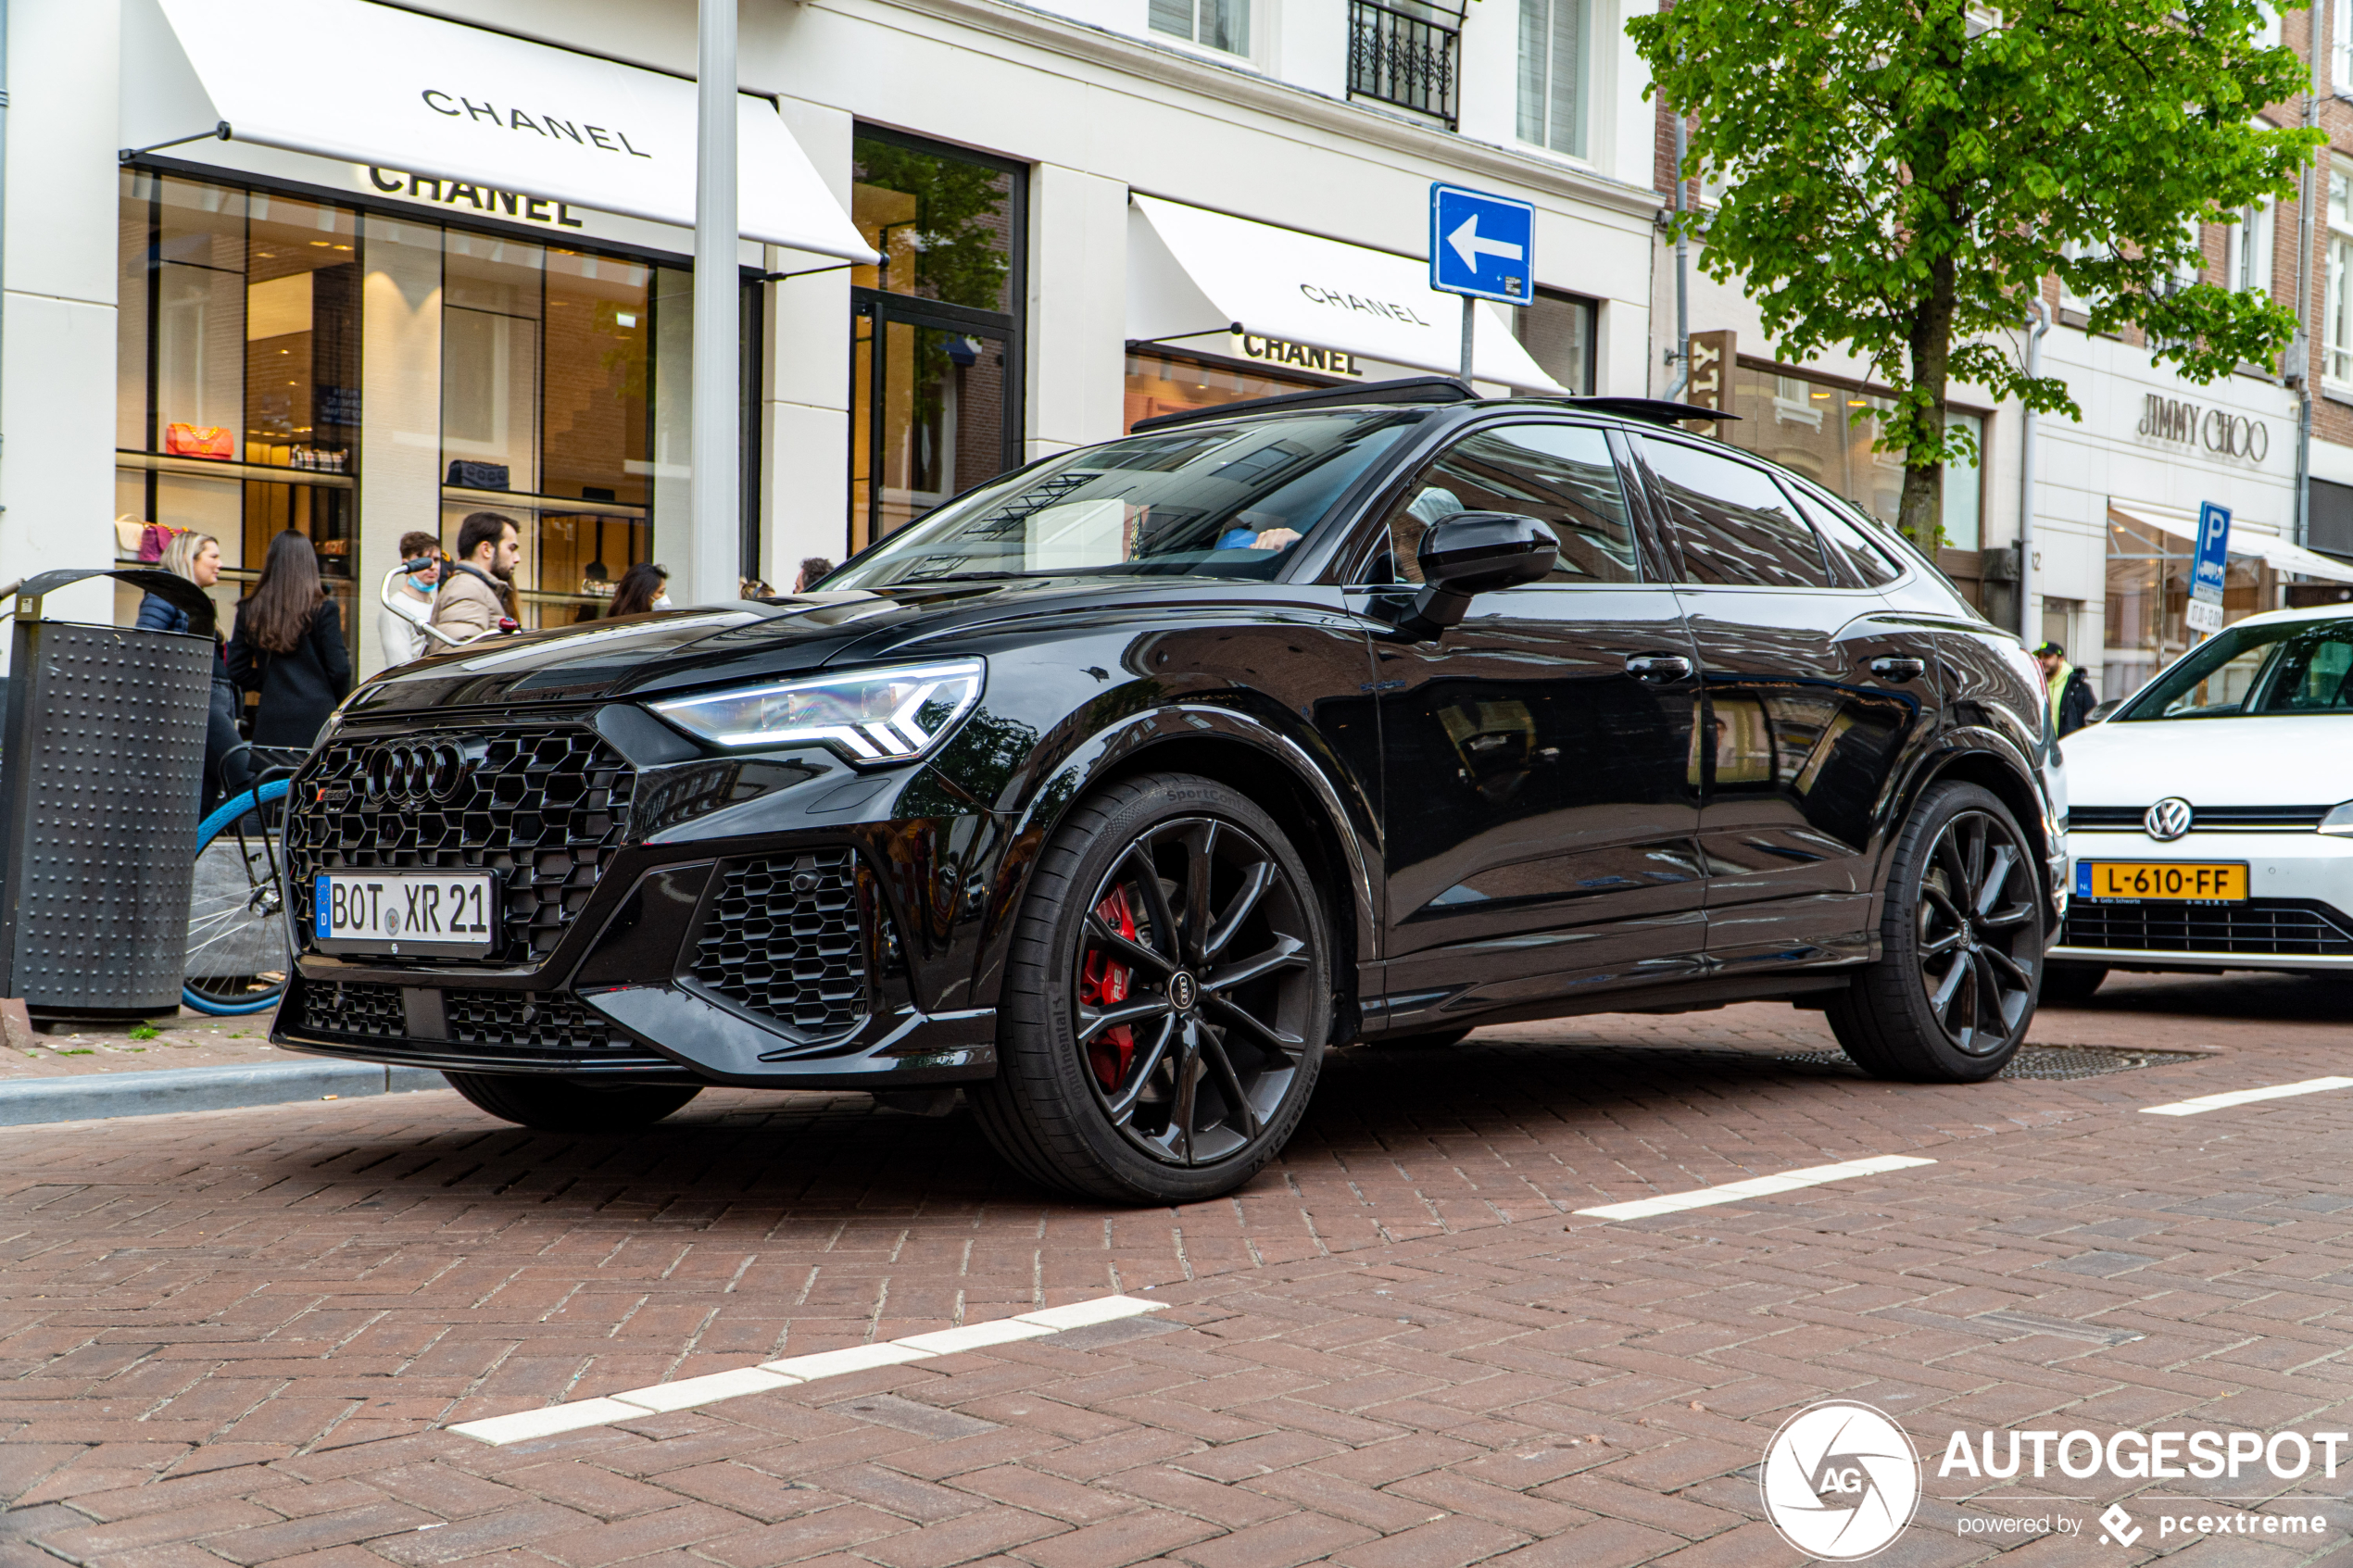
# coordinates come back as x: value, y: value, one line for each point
x: 1840, y: 1481
x: 2167, y: 820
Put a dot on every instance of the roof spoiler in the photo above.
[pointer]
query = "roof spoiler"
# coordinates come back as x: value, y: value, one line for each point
x: 1429, y: 389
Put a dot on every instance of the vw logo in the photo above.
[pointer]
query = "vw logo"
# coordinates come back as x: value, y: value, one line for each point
x: 1840, y: 1481
x: 2167, y: 820
x: 411, y: 772
x: 1182, y: 991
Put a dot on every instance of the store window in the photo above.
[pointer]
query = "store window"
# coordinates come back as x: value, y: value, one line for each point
x: 1557, y: 332
x: 1552, y: 74
x: 1808, y: 424
x: 563, y: 379
x: 2148, y: 595
x: 935, y: 359
x: 1212, y: 24
x: 238, y: 392
x: 2337, y: 329
x: 1174, y: 383
x: 2247, y: 250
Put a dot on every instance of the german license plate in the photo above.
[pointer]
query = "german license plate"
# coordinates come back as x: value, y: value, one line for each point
x: 2143, y: 879
x: 406, y: 912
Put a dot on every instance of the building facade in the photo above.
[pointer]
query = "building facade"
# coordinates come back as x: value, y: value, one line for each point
x: 2116, y: 494
x: 1061, y: 220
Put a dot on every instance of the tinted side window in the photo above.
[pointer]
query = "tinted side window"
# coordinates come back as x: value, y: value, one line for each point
x: 1858, y: 562
x: 1732, y: 522
x: 1559, y: 474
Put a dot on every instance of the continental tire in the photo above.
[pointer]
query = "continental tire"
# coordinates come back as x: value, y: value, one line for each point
x: 558, y: 1105
x: 1166, y: 1001
x: 1960, y: 946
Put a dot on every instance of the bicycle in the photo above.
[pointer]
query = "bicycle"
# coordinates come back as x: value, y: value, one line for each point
x: 239, y: 950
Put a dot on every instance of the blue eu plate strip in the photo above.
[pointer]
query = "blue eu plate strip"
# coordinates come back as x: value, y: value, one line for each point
x: 319, y: 908
x: 2084, y: 879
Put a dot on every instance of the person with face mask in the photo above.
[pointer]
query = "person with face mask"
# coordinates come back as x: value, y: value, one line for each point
x: 400, y: 624
x: 642, y: 587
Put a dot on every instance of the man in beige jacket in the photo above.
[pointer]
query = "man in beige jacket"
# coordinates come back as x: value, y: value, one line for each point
x: 471, y: 600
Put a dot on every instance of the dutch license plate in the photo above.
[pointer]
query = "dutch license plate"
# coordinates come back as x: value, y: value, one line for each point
x: 2143, y: 879
x: 405, y: 912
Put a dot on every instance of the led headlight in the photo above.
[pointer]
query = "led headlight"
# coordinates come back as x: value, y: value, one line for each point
x: 2339, y: 821
x: 872, y: 716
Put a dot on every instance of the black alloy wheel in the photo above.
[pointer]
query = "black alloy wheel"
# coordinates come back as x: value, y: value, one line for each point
x: 1165, y: 1011
x: 1954, y: 989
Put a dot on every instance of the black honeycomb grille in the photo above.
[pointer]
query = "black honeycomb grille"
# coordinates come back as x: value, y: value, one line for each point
x: 544, y: 806
x: 352, y: 1011
x: 2257, y: 928
x: 783, y: 938
x: 525, y: 1021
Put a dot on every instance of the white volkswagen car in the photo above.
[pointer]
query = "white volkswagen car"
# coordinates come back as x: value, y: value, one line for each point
x: 2210, y: 816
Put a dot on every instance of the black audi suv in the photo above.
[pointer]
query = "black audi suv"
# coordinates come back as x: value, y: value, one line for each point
x: 1118, y: 790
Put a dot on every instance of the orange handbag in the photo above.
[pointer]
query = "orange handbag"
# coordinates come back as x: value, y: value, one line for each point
x: 198, y: 441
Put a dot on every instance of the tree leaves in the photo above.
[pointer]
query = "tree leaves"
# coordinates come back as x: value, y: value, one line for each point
x: 1904, y: 176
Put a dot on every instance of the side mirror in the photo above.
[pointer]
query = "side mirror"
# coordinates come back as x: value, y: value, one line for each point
x: 1472, y: 553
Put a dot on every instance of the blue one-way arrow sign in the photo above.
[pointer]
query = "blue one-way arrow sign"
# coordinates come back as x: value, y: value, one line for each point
x: 1481, y: 246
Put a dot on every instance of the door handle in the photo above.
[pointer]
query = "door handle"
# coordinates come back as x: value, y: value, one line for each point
x: 1893, y: 666
x: 1663, y: 668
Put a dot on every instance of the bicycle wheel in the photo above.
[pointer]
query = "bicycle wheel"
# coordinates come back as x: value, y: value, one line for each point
x: 238, y: 956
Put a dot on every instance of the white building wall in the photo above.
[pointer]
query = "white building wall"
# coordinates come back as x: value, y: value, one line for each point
x: 57, y: 317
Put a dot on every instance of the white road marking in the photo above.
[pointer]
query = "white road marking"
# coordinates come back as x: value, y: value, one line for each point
x: 1759, y: 1187
x: 687, y: 1393
x: 2245, y: 1096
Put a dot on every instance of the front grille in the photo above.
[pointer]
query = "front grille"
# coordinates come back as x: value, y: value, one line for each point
x: 2209, y: 819
x: 352, y: 1011
x: 2259, y: 928
x: 545, y: 806
x: 783, y: 938
x: 525, y: 1021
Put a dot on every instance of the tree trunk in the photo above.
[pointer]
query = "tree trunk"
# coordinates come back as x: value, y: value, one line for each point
x: 1922, y: 517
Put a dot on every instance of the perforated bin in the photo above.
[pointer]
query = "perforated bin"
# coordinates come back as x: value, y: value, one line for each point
x: 101, y: 778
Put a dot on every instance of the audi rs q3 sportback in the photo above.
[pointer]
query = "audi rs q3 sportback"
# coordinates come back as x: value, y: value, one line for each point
x: 1119, y: 790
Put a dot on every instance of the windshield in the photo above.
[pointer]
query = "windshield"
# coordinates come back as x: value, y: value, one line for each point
x: 1229, y: 499
x: 2293, y: 667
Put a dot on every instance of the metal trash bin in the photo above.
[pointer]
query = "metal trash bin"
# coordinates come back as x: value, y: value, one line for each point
x: 101, y: 778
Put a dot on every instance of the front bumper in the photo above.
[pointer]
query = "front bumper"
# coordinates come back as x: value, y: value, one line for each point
x: 2299, y: 914
x: 773, y: 924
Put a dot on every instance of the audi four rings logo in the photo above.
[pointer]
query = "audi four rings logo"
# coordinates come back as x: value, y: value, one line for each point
x: 2167, y: 820
x: 412, y: 772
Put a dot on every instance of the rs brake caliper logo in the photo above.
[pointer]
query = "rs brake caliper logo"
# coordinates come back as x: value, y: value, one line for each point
x: 1841, y: 1481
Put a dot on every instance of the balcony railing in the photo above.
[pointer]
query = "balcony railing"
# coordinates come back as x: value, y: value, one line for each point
x: 1396, y: 56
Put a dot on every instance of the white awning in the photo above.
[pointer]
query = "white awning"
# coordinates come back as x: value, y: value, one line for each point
x: 2281, y: 555
x: 1191, y: 272
x: 365, y: 83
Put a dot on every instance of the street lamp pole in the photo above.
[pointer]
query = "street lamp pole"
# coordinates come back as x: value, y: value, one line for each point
x: 715, y: 547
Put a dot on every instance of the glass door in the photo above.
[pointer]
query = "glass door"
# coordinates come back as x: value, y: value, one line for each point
x: 933, y: 409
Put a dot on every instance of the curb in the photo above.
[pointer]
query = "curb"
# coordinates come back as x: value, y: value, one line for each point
x: 94, y: 1096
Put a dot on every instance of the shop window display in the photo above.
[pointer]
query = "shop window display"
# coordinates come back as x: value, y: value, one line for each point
x: 2148, y: 595
x: 237, y: 403
x: 1808, y: 424
x: 1172, y: 383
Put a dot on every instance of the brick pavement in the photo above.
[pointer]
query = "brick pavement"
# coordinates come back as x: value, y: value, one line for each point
x: 235, y: 1336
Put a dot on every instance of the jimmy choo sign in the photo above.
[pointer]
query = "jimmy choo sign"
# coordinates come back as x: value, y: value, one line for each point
x: 2182, y: 423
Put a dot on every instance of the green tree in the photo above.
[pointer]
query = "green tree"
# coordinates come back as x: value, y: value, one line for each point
x: 1902, y: 175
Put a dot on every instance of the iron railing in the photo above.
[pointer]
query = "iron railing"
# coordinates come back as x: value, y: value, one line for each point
x: 1403, y: 59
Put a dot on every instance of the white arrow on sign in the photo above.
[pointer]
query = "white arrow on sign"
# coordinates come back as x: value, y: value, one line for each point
x: 1471, y: 247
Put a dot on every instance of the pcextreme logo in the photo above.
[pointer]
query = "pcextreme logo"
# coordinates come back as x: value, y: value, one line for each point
x: 1841, y: 1481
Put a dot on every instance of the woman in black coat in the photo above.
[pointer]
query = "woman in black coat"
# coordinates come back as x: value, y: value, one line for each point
x: 289, y: 646
x: 196, y: 557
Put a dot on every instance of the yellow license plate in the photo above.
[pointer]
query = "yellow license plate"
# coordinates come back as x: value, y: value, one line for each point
x: 2141, y: 879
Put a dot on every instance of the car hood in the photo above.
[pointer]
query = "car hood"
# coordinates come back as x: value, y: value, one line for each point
x: 718, y: 645
x: 2303, y: 759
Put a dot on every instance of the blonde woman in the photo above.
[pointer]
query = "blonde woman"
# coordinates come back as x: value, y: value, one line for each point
x: 196, y: 557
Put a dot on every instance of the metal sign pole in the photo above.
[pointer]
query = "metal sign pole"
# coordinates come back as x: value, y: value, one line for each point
x: 716, y: 527
x: 1469, y: 322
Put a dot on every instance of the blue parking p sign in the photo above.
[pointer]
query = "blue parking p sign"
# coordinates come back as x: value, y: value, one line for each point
x: 1481, y: 246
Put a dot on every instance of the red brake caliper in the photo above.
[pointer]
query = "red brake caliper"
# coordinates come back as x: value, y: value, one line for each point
x: 1103, y: 984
